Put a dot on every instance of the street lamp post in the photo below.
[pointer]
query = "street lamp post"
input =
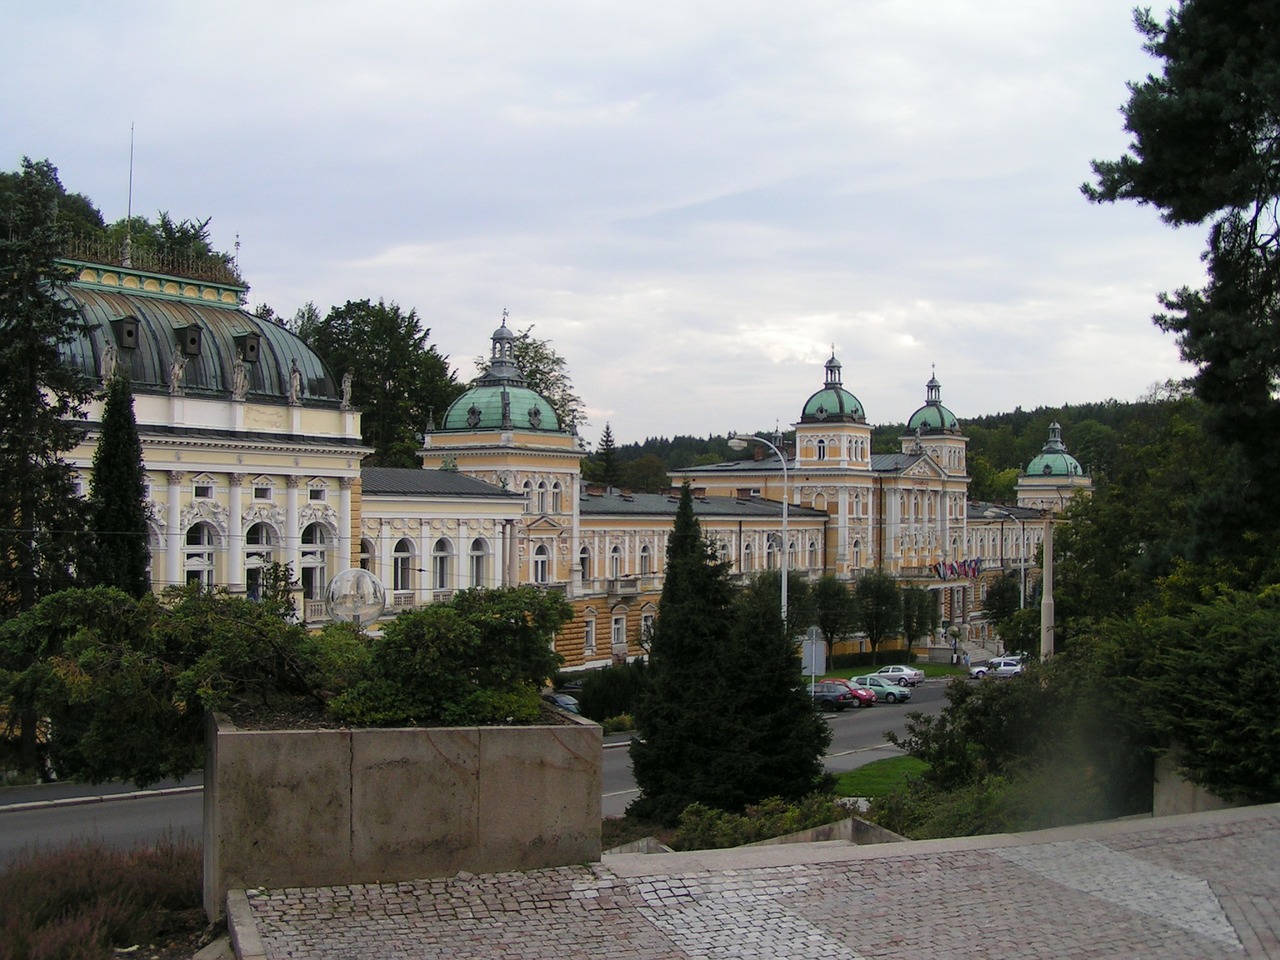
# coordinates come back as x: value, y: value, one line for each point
x: 737, y: 442
x: 1022, y: 552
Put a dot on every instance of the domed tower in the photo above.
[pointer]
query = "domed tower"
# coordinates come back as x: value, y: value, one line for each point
x: 501, y: 399
x: 507, y: 434
x: 1053, y: 477
x: 832, y: 430
x: 933, y: 429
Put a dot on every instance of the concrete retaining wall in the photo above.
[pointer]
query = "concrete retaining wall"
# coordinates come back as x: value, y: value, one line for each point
x: 330, y: 807
x: 1174, y: 794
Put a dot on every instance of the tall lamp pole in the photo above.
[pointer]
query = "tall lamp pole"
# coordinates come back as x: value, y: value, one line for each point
x: 1022, y: 552
x: 737, y: 442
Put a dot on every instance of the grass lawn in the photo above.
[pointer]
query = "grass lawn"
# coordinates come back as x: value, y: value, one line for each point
x: 879, y: 777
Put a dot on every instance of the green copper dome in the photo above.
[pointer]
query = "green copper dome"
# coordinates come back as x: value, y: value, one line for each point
x: 1054, y: 461
x: 833, y: 402
x: 501, y: 398
x: 933, y: 417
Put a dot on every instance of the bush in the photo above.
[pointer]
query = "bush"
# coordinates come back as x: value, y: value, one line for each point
x: 479, y: 659
x: 706, y: 828
x: 613, y: 691
x: 618, y: 724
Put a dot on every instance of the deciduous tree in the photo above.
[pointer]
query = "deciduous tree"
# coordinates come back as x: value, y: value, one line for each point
x: 398, y: 380
x: 879, y: 607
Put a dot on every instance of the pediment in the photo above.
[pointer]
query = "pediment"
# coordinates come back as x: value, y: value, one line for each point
x: 543, y: 525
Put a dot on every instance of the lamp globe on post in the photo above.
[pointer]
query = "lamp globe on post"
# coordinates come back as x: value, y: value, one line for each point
x: 739, y: 442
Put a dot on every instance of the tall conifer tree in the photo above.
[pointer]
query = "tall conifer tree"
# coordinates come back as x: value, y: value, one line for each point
x: 41, y: 517
x: 686, y: 736
x: 116, y: 497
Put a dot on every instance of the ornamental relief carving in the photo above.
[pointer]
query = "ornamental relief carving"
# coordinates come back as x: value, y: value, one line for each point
x: 267, y: 513
x: 205, y: 511
x: 320, y: 513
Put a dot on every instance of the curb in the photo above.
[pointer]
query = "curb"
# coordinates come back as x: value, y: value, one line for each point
x: 97, y: 798
x: 242, y: 927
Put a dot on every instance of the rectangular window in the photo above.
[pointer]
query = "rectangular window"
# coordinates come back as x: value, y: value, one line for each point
x: 589, y: 638
x: 316, y: 494
x: 203, y: 491
x: 262, y: 493
x: 619, y: 637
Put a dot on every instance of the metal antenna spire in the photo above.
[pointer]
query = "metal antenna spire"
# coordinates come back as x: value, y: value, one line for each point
x: 128, y: 221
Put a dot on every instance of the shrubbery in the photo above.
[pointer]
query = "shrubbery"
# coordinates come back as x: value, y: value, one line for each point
x: 613, y: 691
x: 125, y: 683
x: 705, y: 828
x: 85, y: 901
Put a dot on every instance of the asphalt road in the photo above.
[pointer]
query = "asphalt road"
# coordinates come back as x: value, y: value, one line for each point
x: 51, y: 815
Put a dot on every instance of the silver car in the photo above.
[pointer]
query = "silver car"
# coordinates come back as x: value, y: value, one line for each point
x: 886, y: 690
x: 999, y: 667
x: 904, y: 676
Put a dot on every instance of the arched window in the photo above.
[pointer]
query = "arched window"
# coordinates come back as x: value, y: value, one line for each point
x: 542, y: 496
x: 615, y: 562
x: 748, y: 561
x: 822, y: 449
x: 857, y: 553
x: 646, y: 561
x: 541, y: 564
x: 584, y: 564
x: 402, y: 565
x: 368, y: 556
x: 557, y: 497
x: 441, y: 555
x: 528, y: 496
x: 479, y: 562
x: 259, y: 554
x: 771, y: 552
x: 199, y: 556
x: 314, y: 561
x: 815, y: 561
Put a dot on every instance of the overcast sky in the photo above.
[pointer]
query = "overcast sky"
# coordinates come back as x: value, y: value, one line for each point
x: 692, y: 201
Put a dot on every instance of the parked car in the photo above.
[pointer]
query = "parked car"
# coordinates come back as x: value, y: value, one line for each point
x: 999, y: 667
x: 886, y: 690
x: 563, y: 701
x: 904, y: 676
x: 829, y: 695
x: 865, y: 697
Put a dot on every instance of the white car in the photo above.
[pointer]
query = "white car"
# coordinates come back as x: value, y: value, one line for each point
x: 999, y: 667
x: 903, y: 676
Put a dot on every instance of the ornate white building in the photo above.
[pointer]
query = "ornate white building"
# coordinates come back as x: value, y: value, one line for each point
x: 253, y: 455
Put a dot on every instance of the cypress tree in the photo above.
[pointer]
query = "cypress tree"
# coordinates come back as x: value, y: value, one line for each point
x: 780, y: 739
x: 116, y: 506
x: 687, y: 738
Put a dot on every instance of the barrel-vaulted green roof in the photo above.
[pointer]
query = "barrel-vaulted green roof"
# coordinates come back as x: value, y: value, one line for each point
x: 215, y: 332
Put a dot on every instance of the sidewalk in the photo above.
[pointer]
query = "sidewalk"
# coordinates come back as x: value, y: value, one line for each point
x: 1200, y: 887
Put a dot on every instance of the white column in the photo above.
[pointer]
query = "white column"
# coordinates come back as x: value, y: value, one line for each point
x: 173, y: 520
x: 235, y: 532
x: 291, y: 542
x: 345, y: 556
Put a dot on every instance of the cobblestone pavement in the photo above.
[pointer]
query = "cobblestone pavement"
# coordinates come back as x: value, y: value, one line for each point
x: 1199, y: 887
